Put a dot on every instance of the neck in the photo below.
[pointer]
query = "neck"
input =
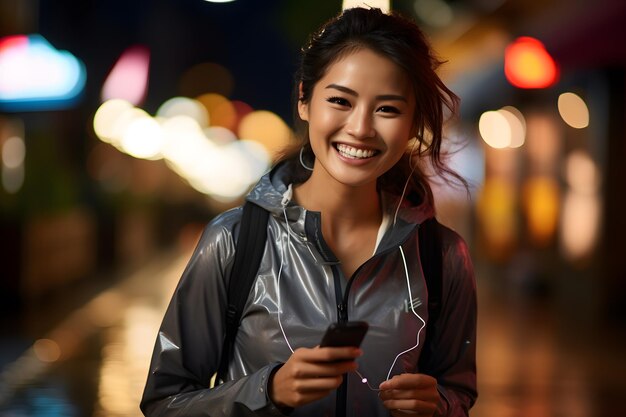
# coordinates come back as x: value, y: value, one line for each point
x: 342, y: 206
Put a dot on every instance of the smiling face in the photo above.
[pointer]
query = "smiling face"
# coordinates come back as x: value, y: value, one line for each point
x: 360, y: 118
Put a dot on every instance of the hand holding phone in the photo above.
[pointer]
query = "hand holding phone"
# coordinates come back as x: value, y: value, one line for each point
x: 350, y: 333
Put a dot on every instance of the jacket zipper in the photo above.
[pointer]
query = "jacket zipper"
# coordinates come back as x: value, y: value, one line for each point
x: 341, y: 403
x: 342, y: 314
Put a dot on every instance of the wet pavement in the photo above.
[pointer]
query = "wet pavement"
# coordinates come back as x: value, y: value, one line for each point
x: 88, y: 354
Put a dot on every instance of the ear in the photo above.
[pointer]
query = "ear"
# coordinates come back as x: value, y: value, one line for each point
x: 303, y: 108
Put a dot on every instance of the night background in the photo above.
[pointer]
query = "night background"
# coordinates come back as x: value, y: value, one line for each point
x: 95, y: 230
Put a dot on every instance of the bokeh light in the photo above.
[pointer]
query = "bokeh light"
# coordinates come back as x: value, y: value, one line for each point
x: 543, y: 142
x: 106, y: 117
x: 242, y: 109
x: 573, y: 110
x: 221, y: 110
x: 207, y: 77
x: 267, y: 128
x: 47, y: 350
x: 13, y: 152
x: 517, y: 124
x: 220, y: 135
x: 541, y: 202
x: 143, y: 138
x: 496, y: 209
x: 128, y: 78
x: 211, y: 158
x: 581, y: 173
x: 581, y: 207
x: 35, y: 75
x: 184, y: 106
x: 495, y: 129
x: 580, y: 225
x: 527, y: 64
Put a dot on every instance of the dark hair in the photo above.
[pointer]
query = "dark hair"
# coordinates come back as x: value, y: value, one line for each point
x: 401, y: 41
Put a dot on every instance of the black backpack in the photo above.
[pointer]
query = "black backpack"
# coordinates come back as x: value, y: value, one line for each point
x: 248, y: 254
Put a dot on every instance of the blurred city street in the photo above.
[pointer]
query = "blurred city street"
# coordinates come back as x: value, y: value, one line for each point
x: 126, y: 126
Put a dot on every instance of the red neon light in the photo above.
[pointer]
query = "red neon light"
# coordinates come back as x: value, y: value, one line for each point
x: 13, y: 41
x: 527, y: 64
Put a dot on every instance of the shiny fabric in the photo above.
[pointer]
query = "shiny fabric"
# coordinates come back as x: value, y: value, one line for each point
x: 296, y: 288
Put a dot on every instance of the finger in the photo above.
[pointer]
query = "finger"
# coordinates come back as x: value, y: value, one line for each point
x: 428, y: 396
x: 409, y: 381
x: 311, y: 385
x: 334, y: 354
x: 319, y: 369
x: 422, y: 407
x: 403, y: 413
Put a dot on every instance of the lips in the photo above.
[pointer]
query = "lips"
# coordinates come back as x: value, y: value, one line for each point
x: 355, y: 153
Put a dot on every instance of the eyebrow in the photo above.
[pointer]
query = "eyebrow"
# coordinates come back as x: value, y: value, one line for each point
x: 355, y: 94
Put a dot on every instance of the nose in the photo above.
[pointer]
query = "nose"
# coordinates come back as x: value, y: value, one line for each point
x: 360, y: 124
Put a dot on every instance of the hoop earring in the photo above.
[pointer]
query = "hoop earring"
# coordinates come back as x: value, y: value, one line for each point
x: 302, y: 160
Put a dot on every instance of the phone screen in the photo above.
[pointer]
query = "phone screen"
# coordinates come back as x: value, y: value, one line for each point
x: 349, y: 333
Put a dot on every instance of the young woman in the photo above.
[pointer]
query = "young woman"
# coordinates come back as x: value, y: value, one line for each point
x: 342, y: 244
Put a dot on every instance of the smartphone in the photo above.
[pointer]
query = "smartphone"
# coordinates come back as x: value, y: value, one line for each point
x: 350, y: 333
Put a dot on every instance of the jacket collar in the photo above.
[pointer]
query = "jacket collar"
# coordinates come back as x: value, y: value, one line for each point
x: 273, y: 193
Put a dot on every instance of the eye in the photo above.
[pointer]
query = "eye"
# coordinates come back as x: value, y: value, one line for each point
x: 338, y: 100
x: 389, y: 109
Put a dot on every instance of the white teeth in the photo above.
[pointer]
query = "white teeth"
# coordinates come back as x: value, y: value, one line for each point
x: 350, y: 152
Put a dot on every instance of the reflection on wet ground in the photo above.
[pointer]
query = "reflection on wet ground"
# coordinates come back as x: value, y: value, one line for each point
x: 94, y: 360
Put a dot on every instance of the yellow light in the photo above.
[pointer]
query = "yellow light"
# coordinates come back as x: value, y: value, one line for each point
x: 221, y: 111
x: 497, y: 217
x: 106, y: 117
x: 517, y: 124
x: 121, y: 125
x: 495, y: 129
x: 581, y: 173
x: 220, y: 135
x: 266, y: 128
x: 581, y: 224
x: 541, y: 205
x: 143, y: 138
x: 543, y: 142
x: 183, y: 106
x: 581, y: 207
x: 573, y: 110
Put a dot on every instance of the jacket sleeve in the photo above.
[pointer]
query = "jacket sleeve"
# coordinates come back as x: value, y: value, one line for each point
x: 189, y: 344
x: 453, y: 360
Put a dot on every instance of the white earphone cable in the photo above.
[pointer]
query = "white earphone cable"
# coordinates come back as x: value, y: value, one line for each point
x: 285, y: 201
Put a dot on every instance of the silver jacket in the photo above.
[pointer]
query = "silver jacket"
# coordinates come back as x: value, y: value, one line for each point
x: 300, y: 288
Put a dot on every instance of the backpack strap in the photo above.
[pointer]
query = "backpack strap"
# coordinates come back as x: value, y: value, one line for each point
x: 248, y: 254
x: 431, y: 256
